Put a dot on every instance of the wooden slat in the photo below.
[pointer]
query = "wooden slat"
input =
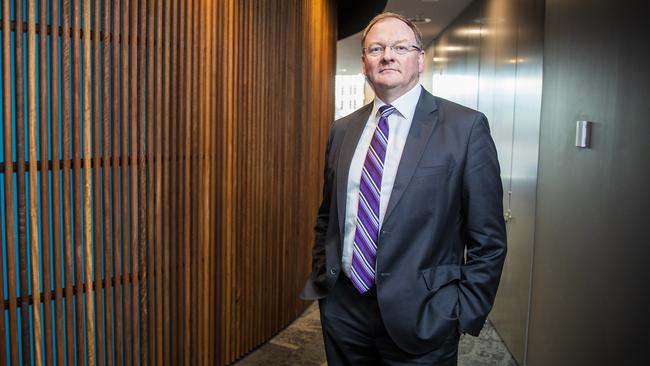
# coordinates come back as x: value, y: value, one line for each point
x: 203, y: 195
x: 124, y: 162
x: 268, y: 36
x: 139, y: 171
x: 87, y: 191
x: 142, y: 268
x: 192, y: 122
x: 106, y: 181
x: 118, y: 176
x: 213, y: 254
x: 97, y: 221
x: 223, y: 166
x: 264, y: 182
x: 167, y: 238
x: 184, y: 192
x: 209, y: 186
x: 240, y: 237
x: 246, y: 149
x: 133, y: 179
x: 199, y: 192
x: 229, y: 237
x: 33, y: 184
x: 156, y: 216
x: 204, y: 172
x: 8, y: 185
x: 218, y: 100
x: 264, y: 36
x: 56, y: 186
x: 76, y: 172
x: 174, y: 220
x: 67, y: 210
x: 147, y: 188
x: 45, y: 217
x: 145, y: 174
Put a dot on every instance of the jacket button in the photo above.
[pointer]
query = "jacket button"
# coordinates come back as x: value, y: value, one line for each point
x: 333, y: 271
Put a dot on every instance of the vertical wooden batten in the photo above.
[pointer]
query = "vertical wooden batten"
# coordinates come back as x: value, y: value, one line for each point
x: 165, y: 164
x: 76, y: 178
x: 65, y: 184
x: 33, y: 183
x: 98, y: 241
x: 135, y: 120
x: 108, y: 259
x: 87, y: 190
x: 44, y: 191
x: 117, y: 179
x: 56, y: 186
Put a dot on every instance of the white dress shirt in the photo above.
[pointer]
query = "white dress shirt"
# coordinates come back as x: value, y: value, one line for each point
x: 399, y: 124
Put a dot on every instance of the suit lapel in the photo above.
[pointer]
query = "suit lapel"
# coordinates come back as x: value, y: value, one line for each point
x: 348, y: 146
x: 424, y: 121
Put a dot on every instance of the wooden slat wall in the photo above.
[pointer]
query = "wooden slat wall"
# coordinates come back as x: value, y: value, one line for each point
x: 277, y: 72
x: 161, y: 170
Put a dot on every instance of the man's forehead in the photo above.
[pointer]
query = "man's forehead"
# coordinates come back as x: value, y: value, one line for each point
x: 390, y: 27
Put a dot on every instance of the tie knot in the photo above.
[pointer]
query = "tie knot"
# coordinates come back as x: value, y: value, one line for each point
x: 386, y: 110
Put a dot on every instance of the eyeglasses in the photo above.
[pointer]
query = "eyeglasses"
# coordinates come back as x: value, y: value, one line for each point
x: 400, y: 49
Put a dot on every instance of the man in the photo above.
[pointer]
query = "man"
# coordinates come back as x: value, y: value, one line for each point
x: 410, y: 237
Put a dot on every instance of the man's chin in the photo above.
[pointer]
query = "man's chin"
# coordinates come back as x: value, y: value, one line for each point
x: 387, y: 84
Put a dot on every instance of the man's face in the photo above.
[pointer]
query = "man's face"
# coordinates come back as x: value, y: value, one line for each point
x: 390, y: 73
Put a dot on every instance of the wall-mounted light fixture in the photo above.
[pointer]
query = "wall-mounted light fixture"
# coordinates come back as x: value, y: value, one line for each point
x: 583, y: 134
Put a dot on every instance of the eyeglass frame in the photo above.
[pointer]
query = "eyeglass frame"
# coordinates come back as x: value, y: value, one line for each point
x: 409, y: 48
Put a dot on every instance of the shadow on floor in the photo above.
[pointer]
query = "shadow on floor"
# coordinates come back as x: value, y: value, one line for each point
x: 301, y: 344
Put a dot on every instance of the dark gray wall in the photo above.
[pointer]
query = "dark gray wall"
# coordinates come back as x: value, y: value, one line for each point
x: 590, y: 283
x: 490, y: 58
x: 574, y: 289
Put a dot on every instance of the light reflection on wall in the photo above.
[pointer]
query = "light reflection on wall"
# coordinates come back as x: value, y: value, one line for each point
x: 456, y: 87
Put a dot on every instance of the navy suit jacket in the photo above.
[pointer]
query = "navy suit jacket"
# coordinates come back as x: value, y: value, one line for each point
x: 442, y: 243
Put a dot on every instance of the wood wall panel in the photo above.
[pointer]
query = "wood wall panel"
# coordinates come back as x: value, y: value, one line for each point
x: 160, y: 207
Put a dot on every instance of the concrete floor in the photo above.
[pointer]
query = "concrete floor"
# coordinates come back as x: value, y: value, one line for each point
x: 301, y: 344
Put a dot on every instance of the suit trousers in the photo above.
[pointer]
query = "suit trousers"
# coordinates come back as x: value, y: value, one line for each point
x: 354, y: 332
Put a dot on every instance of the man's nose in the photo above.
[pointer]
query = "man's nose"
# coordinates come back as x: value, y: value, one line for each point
x: 388, y: 54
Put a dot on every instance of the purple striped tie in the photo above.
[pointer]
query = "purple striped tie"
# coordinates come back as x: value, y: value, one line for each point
x: 364, y: 254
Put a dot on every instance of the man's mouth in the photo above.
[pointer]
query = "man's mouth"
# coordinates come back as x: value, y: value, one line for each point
x: 384, y: 70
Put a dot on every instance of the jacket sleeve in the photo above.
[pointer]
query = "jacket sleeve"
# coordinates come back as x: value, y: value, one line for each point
x: 484, y: 229
x: 322, y: 217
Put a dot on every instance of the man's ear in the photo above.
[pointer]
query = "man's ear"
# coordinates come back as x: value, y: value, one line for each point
x: 421, y: 62
x: 363, y: 64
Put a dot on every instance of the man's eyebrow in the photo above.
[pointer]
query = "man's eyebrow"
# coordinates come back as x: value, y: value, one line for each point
x: 393, y: 42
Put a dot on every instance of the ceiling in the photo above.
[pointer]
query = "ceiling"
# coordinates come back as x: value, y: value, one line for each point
x: 441, y: 13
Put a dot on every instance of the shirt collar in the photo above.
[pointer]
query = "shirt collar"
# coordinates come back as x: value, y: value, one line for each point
x: 404, y: 105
